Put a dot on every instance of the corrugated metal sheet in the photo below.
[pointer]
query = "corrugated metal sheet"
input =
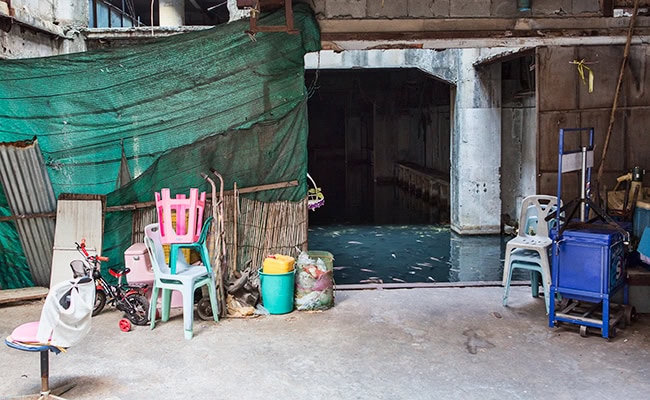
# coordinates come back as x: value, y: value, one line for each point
x: 29, y: 191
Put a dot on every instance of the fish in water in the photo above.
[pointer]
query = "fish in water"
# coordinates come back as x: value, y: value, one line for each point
x: 367, y: 270
x: 399, y: 280
x: 418, y: 268
x: 431, y: 279
x: 340, y: 268
x: 393, y: 254
x: 354, y: 242
x: 435, y: 259
x: 423, y: 264
x: 377, y: 280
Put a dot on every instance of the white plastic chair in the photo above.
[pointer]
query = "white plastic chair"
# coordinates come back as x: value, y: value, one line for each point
x: 530, y: 248
x: 186, y: 280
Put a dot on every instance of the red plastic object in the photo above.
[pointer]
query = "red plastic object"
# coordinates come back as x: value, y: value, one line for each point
x: 125, y: 325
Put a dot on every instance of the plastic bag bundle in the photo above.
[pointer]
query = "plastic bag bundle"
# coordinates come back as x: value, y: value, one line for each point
x: 314, y: 283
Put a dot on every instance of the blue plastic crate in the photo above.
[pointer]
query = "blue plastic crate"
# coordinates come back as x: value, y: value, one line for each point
x: 588, y: 261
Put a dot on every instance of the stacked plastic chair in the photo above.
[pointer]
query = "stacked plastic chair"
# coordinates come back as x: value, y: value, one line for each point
x: 529, y: 250
x: 180, y: 227
x: 186, y: 279
x: 180, y: 224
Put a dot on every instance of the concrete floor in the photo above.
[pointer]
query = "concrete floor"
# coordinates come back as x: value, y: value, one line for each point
x: 440, y: 343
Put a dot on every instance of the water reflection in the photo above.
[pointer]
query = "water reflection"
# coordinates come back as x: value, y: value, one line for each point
x: 409, y: 253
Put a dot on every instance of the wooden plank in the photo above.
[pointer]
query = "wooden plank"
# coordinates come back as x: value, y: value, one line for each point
x: 31, y: 293
x: 75, y: 220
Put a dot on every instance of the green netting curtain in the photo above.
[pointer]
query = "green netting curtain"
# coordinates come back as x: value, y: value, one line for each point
x: 173, y: 108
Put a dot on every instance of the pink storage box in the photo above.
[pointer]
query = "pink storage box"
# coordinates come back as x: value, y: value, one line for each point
x: 137, y: 259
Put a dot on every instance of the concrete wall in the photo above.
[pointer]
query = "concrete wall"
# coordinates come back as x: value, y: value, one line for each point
x: 34, y: 28
x: 519, y: 135
x: 334, y: 9
x: 518, y: 154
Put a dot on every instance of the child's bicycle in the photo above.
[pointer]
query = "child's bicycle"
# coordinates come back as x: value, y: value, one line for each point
x: 128, y: 298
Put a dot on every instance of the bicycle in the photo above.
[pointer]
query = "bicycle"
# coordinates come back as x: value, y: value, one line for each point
x: 128, y: 298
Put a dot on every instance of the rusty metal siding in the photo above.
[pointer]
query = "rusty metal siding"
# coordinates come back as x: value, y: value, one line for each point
x: 29, y: 191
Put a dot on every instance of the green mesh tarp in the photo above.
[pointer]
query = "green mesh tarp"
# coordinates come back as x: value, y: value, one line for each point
x: 176, y: 107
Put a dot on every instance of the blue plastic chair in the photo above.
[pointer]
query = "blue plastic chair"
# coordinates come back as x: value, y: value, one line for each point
x: 186, y: 279
x: 529, y: 250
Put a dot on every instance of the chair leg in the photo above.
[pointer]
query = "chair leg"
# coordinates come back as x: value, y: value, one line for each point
x: 534, y: 283
x: 546, y: 277
x: 188, y: 314
x: 166, y: 304
x: 46, y: 392
x: 173, y: 257
x: 506, y: 266
x: 547, y: 295
x: 506, y: 290
x: 153, y: 306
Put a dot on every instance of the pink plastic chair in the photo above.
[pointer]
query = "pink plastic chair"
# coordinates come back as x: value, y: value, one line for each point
x: 188, y: 214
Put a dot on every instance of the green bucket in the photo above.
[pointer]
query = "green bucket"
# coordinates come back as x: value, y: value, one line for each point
x: 277, y: 292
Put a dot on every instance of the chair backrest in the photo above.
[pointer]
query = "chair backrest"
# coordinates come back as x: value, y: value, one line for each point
x: 157, y: 253
x: 67, y: 312
x: 155, y: 249
x: 180, y: 218
x: 535, y: 209
x: 204, y: 231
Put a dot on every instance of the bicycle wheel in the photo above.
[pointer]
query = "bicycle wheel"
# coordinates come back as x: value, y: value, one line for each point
x: 137, y: 310
x: 100, y: 302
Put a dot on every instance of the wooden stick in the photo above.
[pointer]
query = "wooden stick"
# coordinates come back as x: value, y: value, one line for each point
x: 612, y: 115
x: 234, y: 223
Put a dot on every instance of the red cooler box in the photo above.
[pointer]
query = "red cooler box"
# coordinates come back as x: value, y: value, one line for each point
x: 137, y: 259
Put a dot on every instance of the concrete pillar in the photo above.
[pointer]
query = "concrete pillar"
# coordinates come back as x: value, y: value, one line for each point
x: 172, y: 12
x: 476, y: 148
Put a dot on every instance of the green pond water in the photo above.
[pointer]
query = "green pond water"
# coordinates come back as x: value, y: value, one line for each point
x: 409, y: 253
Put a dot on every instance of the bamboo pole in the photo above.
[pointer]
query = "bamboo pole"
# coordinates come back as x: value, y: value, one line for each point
x: 234, y: 229
x: 612, y: 115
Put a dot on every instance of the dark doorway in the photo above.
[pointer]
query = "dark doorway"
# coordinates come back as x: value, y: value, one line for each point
x: 362, y: 124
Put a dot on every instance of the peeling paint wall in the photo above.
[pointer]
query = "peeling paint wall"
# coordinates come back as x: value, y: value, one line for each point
x: 335, y: 9
x: 476, y: 148
x: 34, y: 28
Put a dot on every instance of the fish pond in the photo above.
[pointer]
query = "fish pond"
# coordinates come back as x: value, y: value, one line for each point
x: 410, y: 254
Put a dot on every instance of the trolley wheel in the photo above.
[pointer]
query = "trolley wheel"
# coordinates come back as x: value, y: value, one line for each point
x: 583, y: 330
x: 204, y: 309
x: 630, y: 314
x: 612, y: 333
x: 125, y: 325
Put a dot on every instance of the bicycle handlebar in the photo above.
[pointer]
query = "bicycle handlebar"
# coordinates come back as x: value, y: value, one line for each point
x: 82, y: 249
